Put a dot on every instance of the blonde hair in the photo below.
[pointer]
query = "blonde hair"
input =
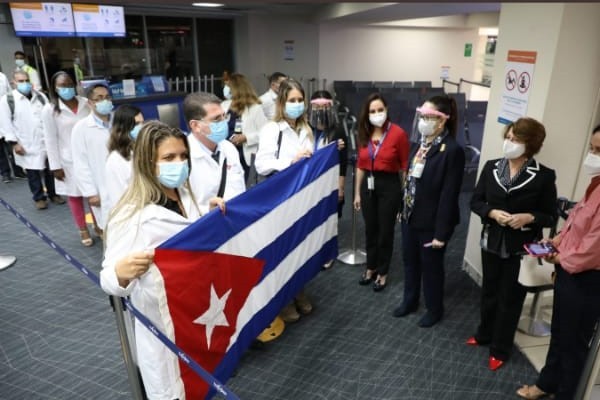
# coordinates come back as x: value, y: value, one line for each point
x: 145, y: 187
x: 284, y: 90
x: 243, y: 94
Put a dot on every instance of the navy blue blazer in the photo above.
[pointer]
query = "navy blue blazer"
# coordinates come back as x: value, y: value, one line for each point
x: 534, y: 192
x: 436, y: 199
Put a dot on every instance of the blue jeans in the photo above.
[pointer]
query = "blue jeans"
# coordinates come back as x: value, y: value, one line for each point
x: 34, y: 177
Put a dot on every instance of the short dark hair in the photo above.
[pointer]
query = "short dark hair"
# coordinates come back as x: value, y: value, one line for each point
x: 193, y: 105
x: 596, y: 129
x: 19, y: 53
x: 275, y: 76
x: 529, y: 132
x: 90, y: 90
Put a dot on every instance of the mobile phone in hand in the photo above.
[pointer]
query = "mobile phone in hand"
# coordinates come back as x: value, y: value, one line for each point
x: 540, y: 249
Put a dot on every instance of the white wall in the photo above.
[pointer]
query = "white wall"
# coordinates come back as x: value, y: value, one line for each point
x: 394, y: 53
x: 564, y: 92
x: 260, y: 47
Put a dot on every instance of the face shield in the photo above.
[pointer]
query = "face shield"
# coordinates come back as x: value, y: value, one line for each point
x: 321, y: 114
x: 427, y: 122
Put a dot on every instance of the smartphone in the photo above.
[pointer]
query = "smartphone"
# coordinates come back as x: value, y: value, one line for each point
x: 540, y: 249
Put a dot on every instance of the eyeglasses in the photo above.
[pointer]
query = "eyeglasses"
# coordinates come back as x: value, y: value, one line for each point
x: 218, y: 118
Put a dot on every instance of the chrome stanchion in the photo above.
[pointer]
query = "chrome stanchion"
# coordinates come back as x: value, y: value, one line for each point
x: 353, y: 255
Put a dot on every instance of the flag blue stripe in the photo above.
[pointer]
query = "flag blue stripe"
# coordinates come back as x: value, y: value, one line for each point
x: 279, y: 249
x: 265, y: 316
x: 213, y: 230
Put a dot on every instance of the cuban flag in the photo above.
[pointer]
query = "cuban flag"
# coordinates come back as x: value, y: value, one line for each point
x: 226, y: 277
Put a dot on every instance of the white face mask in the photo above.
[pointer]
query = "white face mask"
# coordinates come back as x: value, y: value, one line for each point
x: 591, y: 164
x: 427, y: 128
x: 512, y: 150
x: 378, y: 119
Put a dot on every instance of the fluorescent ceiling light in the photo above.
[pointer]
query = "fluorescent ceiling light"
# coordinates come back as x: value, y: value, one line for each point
x: 207, y: 5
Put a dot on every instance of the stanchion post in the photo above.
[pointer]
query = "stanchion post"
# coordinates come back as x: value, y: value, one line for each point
x: 352, y: 256
x: 133, y: 376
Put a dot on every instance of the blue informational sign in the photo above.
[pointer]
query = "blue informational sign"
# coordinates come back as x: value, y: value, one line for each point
x: 43, y: 19
x: 99, y: 21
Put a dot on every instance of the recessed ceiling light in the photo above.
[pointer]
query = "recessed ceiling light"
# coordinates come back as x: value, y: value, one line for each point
x: 207, y: 5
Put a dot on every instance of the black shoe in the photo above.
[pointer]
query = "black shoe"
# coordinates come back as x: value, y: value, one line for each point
x: 404, y: 309
x: 378, y: 286
x: 6, y: 179
x: 21, y: 175
x: 364, y: 280
x: 428, y: 320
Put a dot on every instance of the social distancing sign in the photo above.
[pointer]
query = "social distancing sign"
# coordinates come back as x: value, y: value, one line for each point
x: 518, y: 76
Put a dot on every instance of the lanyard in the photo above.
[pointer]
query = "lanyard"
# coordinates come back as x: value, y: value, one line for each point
x: 373, y: 154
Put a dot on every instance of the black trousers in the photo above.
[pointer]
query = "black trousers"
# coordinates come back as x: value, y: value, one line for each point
x: 7, y: 161
x: 575, y: 312
x: 380, y: 209
x: 502, y: 298
x: 424, y: 264
x: 35, y: 177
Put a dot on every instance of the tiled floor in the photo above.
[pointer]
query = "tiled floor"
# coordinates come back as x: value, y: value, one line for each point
x: 536, y: 348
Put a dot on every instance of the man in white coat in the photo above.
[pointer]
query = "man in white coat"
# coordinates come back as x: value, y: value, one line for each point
x: 21, y: 124
x: 216, y: 168
x: 270, y: 96
x: 89, y: 147
x: 4, y: 157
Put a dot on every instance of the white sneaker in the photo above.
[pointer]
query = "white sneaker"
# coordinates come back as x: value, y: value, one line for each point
x: 7, y: 261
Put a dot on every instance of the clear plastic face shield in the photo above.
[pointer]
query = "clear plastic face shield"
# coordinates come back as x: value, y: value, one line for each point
x: 428, y: 121
x: 321, y: 114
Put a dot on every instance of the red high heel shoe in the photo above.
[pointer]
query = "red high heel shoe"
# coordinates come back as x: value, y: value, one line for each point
x: 472, y: 341
x: 494, y: 363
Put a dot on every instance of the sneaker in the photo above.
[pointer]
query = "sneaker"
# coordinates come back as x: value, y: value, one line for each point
x: 56, y: 199
x: 289, y: 313
x: 41, y: 204
x: 21, y: 175
x: 6, y: 179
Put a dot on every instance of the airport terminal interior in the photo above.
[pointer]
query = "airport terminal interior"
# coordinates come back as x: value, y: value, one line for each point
x: 58, y: 336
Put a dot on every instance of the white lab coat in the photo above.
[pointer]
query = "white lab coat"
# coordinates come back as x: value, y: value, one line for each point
x: 291, y: 144
x: 26, y: 128
x: 145, y: 230
x: 57, y: 135
x: 253, y: 119
x: 117, y: 174
x: 205, y: 176
x: 268, y: 103
x: 89, y: 145
x: 4, y: 86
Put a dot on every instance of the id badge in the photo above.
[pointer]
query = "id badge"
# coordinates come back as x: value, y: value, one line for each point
x: 371, y: 182
x: 417, y: 170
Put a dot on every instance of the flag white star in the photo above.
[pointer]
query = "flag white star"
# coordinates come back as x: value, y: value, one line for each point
x: 215, y: 315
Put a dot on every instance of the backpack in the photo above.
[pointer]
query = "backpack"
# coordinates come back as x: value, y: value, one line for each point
x: 10, y: 99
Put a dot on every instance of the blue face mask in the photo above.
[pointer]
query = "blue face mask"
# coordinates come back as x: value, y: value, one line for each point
x: 294, y: 110
x: 227, y: 92
x: 218, y: 131
x: 65, y: 93
x: 135, y: 131
x: 173, y: 174
x: 104, y: 107
x: 24, y: 88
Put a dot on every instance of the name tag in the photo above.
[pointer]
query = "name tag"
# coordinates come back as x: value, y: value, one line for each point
x: 370, y: 182
x: 417, y: 169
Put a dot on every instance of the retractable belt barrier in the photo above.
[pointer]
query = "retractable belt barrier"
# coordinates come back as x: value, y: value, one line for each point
x: 213, y: 382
